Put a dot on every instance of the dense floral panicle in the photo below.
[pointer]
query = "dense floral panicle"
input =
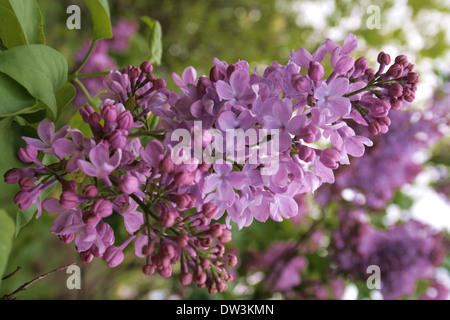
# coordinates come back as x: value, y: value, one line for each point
x: 404, y: 253
x: 132, y: 167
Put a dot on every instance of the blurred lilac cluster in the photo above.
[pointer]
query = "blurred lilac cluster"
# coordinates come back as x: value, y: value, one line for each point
x: 404, y: 253
x: 394, y: 161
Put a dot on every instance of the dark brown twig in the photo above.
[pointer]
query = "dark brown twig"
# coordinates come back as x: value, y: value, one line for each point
x: 12, y: 273
x: 26, y: 285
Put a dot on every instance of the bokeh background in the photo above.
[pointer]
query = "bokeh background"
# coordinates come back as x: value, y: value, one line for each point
x: 194, y: 32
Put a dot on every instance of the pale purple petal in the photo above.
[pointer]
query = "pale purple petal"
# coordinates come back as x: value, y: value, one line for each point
x: 224, y: 90
x: 64, y: 147
x: 87, y: 167
x: 99, y: 155
x: 52, y: 205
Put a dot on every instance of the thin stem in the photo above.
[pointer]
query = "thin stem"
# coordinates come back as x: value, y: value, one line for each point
x: 12, y: 273
x: 90, y: 74
x: 85, y: 91
x: 85, y: 59
x: 26, y: 285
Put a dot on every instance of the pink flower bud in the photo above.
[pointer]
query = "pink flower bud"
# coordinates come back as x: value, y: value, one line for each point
x: 12, y: 176
x: 26, y: 183
x: 113, y: 256
x: 396, y: 70
x: 330, y: 157
x: 165, y: 272
x: 22, y: 199
x: 90, y: 191
x: 309, y: 133
x: 86, y: 256
x: 66, y: 238
x: 216, y: 230
x: 125, y: 120
x: 225, y: 236
x: 184, y: 201
x: 167, y: 217
x: 148, y: 249
x: 395, y: 90
x: 396, y: 103
x: 146, y: 67
x: 202, y: 84
x: 403, y: 60
x: 68, y: 200
x: 133, y: 72
x: 184, y: 178
x: 315, y: 71
x: 166, y: 165
x: 109, y: 113
x: 159, y: 84
x: 232, y: 260
x: 185, y: 279
x: 384, y: 58
x: 374, y: 128
x: 412, y: 77
x: 102, y: 208
x: 182, y: 240
x: 209, y: 210
x: 90, y: 218
x: 148, y: 270
x: 27, y: 154
x: 128, y: 184
x: 306, y: 153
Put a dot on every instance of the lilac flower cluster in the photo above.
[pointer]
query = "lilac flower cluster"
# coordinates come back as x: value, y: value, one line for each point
x: 302, y: 106
x: 130, y: 168
x: 404, y: 253
x: 156, y: 198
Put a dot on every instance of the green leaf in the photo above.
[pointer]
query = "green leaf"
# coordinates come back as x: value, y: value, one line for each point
x: 24, y: 217
x: 39, y: 68
x: 101, y: 19
x: 29, y: 17
x: 11, y: 140
x: 154, y: 40
x: 66, y: 111
x: 6, y: 239
x: 14, y: 98
x: 11, y: 32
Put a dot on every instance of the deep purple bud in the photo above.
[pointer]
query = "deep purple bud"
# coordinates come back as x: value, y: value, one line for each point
x: 69, y: 185
x: 109, y: 113
x: 27, y: 154
x: 408, y: 95
x: 184, y: 178
x: 102, y: 208
x: 66, y: 238
x: 159, y: 84
x: 412, y: 77
x: 374, y: 128
x: 396, y: 70
x: 184, y: 201
x: 12, y: 176
x: 315, y: 71
x: 90, y: 218
x: 330, y: 157
x: 300, y: 82
x: 215, y: 74
x: 94, y: 118
x: 232, y: 260
x: 186, y: 279
x: 128, y: 184
x: 369, y: 74
x: 166, y: 165
x: 113, y: 256
x: 26, y: 183
x: 22, y: 199
x: 306, y: 153
x: 384, y: 58
x: 133, y: 73
x: 209, y: 209
x: 309, y: 133
x: 68, y: 199
x: 125, y: 120
x: 86, y: 256
x: 182, y: 240
x: 395, y: 90
x: 90, y: 191
x: 396, y: 103
x: 204, y: 166
x: 231, y: 68
x: 122, y: 200
x: 146, y: 67
x: 167, y: 217
x: 385, y: 121
x: 216, y: 230
x: 361, y: 65
x: 202, y: 84
x: 403, y: 60
x: 165, y: 272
